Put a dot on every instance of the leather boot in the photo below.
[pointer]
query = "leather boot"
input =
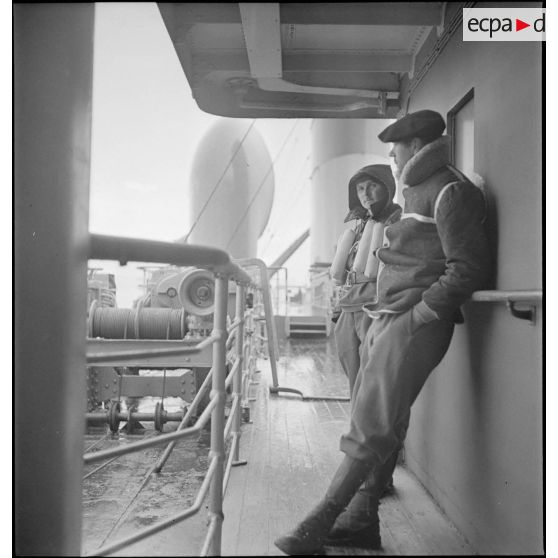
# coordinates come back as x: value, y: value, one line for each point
x: 308, y: 536
x: 359, y: 525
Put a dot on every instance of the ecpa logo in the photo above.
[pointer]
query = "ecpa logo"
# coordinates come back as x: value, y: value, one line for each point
x: 504, y: 24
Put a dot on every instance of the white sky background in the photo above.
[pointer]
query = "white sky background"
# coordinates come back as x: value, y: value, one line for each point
x: 146, y: 128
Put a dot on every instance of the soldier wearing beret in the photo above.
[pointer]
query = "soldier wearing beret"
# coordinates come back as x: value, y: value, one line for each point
x: 431, y: 261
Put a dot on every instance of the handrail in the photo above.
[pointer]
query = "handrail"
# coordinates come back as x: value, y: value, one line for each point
x: 512, y: 299
x: 108, y: 356
x: 505, y: 296
x: 125, y: 250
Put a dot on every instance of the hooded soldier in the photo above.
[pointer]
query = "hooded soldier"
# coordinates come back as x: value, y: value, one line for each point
x: 355, y: 266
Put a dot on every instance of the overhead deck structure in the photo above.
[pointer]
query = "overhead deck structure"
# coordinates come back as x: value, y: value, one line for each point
x: 304, y: 60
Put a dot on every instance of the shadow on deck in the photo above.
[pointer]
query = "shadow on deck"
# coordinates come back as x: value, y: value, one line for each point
x: 292, y: 452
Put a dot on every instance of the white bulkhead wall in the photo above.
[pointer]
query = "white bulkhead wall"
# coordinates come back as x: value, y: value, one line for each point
x: 339, y: 148
x: 231, y: 189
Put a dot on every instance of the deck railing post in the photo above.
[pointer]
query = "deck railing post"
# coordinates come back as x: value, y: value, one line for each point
x: 247, y: 352
x: 237, y: 385
x: 218, y: 414
x: 272, y: 341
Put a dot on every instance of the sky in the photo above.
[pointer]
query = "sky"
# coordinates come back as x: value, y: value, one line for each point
x: 145, y: 131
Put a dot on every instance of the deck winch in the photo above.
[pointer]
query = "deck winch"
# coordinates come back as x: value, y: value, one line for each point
x: 177, y: 304
x: 138, y: 323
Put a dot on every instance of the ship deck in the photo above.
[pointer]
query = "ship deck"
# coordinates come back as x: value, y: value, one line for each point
x: 291, y: 448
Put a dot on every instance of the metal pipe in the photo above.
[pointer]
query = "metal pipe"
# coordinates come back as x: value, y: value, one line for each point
x: 211, y: 531
x: 124, y: 250
x: 149, y: 417
x: 232, y: 373
x: 95, y: 358
x: 237, y: 385
x: 163, y: 438
x: 236, y: 322
x: 230, y: 420
x: 230, y: 339
x: 103, y: 465
x: 230, y: 461
x: 505, y: 296
x: 268, y: 311
x: 201, y: 392
x: 218, y: 415
x: 153, y: 529
x: 97, y: 442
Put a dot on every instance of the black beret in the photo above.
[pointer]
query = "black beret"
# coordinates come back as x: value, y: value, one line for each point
x: 420, y: 123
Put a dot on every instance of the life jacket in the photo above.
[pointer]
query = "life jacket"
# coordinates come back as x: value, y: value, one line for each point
x: 355, y: 259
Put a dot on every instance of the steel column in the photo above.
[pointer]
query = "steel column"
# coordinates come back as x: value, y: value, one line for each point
x: 218, y: 416
x: 237, y: 385
x: 53, y: 74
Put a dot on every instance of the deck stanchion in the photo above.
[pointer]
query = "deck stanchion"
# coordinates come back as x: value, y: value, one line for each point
x: 218, y: 415
x: 272, y: 342
x: 237, y: 384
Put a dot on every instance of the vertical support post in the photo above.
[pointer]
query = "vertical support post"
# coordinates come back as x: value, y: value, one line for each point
x: 270, y: 323
x: 239, y: 349
x: 53, y: 80
x: 249, y: 329
x: 218, y: 414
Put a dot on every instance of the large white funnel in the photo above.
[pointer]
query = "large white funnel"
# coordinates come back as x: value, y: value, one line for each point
x: 231, y: 188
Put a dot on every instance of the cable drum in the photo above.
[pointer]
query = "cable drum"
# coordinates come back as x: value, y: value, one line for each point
x: 112, y: 323
x: 141, y: 323
x: 162, y: 323
x: 196, y: 292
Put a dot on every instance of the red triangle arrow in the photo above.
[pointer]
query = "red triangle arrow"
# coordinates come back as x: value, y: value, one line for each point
x: 519, y: 25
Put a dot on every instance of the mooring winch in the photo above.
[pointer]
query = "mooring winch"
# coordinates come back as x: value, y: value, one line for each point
x: 114, y: 415
x: 178, y: 304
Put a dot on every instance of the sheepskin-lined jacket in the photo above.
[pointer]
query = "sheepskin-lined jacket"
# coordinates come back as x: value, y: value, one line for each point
x: 437, y: 254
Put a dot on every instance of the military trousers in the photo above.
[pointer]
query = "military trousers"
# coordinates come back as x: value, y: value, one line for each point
x: 350, y: 332
x: 396, y: 358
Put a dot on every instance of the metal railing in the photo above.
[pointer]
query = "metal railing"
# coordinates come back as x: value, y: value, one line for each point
x: 239, y: 333
x: 529, y: 299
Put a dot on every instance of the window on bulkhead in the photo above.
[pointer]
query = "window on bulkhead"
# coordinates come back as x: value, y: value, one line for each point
x: 461, y: 128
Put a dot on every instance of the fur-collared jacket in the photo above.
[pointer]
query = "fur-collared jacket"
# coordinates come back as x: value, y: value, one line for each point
x: 437, y: 254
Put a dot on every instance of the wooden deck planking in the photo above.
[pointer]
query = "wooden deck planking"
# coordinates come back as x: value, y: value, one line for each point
x: 292, y: 448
